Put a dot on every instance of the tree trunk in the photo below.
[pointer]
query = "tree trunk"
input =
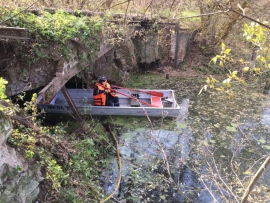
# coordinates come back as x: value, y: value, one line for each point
x: 216, y: 28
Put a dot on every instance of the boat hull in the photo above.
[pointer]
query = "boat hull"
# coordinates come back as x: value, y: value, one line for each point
x: 84, y: 103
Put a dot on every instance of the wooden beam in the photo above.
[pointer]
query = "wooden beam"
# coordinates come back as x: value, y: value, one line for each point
x: 71, y: 104
x: 13, y: 33
x: 176, y: 46
x: 50, y: 90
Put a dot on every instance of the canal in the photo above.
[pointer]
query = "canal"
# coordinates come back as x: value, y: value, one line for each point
x: 207, y: 154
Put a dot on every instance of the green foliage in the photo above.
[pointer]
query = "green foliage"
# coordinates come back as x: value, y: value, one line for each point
x: 223, y: 57
x: 54, y: 171
x: 3, y: 83
x: 59, y: 27
x: 82, y: 164
x: 11, y: 172
x: 82, y: 170
x: 84, y: 160
x: 26, y: 138
x: 114, y: 34
x: 258, y: 37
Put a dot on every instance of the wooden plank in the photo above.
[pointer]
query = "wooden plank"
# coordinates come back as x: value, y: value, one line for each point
x: 182, y: 43
x: 71, y: 104
x: 177, y: 30
x: 13, y: 33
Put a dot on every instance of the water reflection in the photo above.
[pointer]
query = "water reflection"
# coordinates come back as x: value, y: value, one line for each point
x: 266, y: 115
x: 214, y: 142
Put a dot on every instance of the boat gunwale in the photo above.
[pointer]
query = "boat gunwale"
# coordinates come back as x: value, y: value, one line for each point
x: 90, y: 109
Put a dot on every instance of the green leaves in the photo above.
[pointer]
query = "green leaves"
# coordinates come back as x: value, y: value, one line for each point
x: 3, y: 83
x: 182, y: 125
x: 59, y: 27
x: 231, y: 129
x: 3, y: 95
x: 258, y: 37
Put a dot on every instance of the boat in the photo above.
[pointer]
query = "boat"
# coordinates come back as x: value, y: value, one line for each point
x: 154, y: 103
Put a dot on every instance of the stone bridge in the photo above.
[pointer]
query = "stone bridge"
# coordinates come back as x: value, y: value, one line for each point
x: 164, y: 45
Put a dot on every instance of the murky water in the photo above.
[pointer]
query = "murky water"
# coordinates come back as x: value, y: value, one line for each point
x: 212, y: 149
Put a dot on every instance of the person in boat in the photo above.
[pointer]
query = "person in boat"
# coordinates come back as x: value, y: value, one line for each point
x: 104, y: 95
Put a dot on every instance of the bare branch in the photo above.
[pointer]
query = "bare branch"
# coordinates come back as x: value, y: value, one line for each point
x: 205, y: 14
x: 252, y: 19
x: 148, y: 6
x: 255, y: 179
x: 19, y: 12
x: 243, y: 10
x: 126, y: 13
x: 120, y: 3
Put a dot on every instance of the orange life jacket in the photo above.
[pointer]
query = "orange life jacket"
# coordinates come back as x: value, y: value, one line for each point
x: 111, y: 92
x: 100, y: 99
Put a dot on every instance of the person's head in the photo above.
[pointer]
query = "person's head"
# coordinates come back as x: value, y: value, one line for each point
x: 103, y: 79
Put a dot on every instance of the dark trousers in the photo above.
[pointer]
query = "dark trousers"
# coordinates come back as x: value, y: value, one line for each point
x: 112, y: 101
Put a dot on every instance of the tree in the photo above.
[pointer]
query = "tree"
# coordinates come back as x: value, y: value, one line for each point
x: 217, y: 28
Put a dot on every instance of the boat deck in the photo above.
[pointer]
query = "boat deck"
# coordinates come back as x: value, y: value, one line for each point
x: 83, y: 100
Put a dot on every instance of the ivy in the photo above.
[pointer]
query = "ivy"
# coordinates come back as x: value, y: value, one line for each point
x: 54, y: 171
x: 60, y: 28
x: 3, y: 83
x: 85, y: 156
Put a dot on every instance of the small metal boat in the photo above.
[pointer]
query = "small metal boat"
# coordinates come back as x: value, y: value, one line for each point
x: 132, y: 103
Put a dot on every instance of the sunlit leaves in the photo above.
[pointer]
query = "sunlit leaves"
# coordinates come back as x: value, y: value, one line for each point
x: 246, y: 69
x: 3, y: 83
x: 267, y: 146
x: 210, y: 83
x: 227, y: 51
x: 257, y: 70
x: 227, y: 82
x: 257, y: 36
x: 231, y: 129
x: 262, y: 141
x: 223, y: 46
x: 223, y: 57
x: 214, y: 59
x: 182, y: 125
x: 254, y: 33
x: 212, y: 141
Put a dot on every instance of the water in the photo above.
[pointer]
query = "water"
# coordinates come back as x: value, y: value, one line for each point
x: 212, y: 149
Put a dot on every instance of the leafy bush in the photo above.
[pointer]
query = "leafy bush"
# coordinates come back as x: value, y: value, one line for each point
x: 59, y: 27
x: 3, y: 83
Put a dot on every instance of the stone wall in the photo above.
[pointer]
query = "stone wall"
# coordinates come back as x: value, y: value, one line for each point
x: 141, y: 48
x: 19, y: 181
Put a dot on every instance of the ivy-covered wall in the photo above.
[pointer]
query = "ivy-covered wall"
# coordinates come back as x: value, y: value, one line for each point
x: 61, y: 38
